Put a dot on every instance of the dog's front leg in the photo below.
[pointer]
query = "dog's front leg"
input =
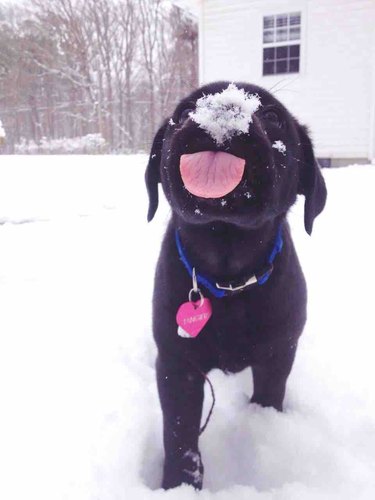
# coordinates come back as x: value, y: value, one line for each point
x: 181, y: 395
x: 270, y: 378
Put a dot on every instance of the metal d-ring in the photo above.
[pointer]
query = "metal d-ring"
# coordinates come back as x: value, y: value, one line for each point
x: 200, y: 295
x: 195, y: 288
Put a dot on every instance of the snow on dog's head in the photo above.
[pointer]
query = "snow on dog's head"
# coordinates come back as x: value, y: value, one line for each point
x: 226, y: 114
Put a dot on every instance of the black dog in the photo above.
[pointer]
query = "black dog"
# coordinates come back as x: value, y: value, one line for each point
x: 241, y: 249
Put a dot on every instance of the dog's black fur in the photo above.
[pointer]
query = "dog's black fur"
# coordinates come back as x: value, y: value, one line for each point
x: 258, y: 327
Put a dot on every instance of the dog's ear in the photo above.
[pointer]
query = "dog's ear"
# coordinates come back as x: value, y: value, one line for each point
x: 152, y: 176
x: 311, y: 181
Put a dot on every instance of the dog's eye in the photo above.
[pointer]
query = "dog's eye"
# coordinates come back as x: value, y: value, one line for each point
x: 272, y: 116
x: 185, y: 115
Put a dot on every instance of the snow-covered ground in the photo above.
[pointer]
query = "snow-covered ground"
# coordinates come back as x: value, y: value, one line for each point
x: 80, y: 418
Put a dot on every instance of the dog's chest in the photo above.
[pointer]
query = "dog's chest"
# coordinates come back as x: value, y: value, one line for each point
x: 238, y: 335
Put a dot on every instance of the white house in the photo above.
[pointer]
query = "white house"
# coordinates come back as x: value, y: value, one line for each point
x: 317, y: 56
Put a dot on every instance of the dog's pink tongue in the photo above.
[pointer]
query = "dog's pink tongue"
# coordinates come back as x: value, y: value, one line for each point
x: 210, y: 174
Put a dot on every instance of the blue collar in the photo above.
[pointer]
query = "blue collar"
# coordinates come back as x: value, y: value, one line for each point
x: 223, y: 290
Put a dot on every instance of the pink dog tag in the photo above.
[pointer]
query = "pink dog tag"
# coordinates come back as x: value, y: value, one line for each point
x: 192, y: 317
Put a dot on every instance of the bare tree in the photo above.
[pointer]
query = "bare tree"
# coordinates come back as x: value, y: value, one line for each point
x: 149, y: 17
x: 126, y: 41
x: 73, y: 67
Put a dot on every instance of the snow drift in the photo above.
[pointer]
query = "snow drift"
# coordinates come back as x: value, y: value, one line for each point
x: 80, y: 417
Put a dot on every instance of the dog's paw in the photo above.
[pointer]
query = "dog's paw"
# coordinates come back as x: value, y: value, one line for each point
x: 186, y: 470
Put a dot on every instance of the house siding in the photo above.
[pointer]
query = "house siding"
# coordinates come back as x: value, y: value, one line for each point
x: 333, y: 93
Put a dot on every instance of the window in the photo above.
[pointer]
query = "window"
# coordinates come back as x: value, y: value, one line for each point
x: 281, y: 53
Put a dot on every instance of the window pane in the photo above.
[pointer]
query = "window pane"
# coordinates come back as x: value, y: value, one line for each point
x: 269, y: 54
x: 282, y: 52
x: 294, y: 50
x: 268, y: 68
x: 281, y: 66
x: 281, y: 35
x: 294, y: 33
x: 294, y: 66
x: 294, y: 18
x: 268, y: 22
x: 282, y: 20
x: 268, y: 36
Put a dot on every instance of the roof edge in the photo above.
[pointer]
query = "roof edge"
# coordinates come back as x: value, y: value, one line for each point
x: 189, y: 5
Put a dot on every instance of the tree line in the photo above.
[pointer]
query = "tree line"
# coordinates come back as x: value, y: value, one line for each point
x: 73, y: 68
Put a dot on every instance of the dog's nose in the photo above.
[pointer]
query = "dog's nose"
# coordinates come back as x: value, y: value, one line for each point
x: 226, y: 114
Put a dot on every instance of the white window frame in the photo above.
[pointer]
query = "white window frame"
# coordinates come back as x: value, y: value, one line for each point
x: 288, y: 26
